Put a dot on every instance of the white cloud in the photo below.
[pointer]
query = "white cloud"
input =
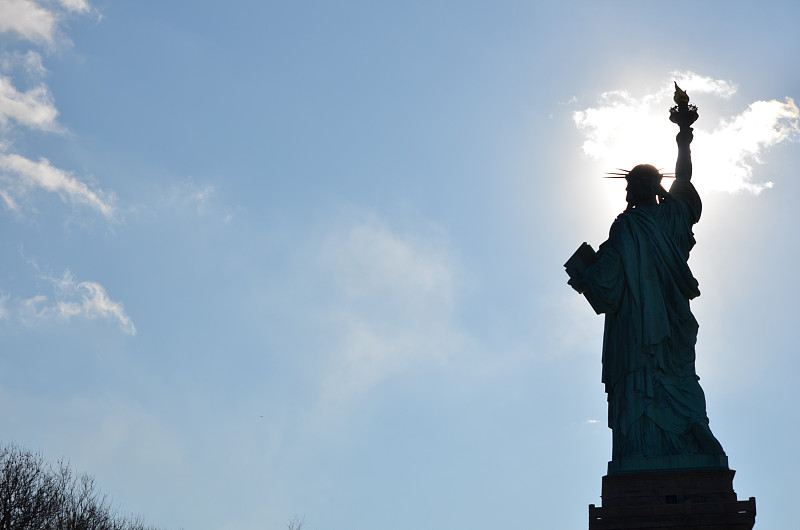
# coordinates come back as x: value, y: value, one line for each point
x: 739, y: 142
x: 624, y: 130
x: 9, y: 201
x: 21, y: 175
x: 32, y: 21
x: 78, y: 6
x: 696, y: 83
x: 30, y: 310
x: 394, y: 311
x: 30, y: 62
x: 88, y: 300
x: 28, y: 20
x: 34, y: 108
x: 72, y: 299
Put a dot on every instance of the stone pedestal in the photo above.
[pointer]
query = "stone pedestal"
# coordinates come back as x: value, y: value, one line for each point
x: 700, y: 499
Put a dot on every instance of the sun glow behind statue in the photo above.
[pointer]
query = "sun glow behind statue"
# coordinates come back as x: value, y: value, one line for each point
x: 623, y: 131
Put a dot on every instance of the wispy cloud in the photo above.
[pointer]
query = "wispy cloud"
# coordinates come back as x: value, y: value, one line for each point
x: 203, y: 195
x: 71, y: 299
x: 34, y: 108
x: 21, y: 175
x: 88, y: 300
x: 37, y: 25
x: 78, y: 6
x: 394, y: 310
x: 202, y: 198
x: 30, y: 62
x: 624, y: 130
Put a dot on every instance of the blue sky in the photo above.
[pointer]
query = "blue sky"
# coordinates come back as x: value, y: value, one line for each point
x: 273, y: 259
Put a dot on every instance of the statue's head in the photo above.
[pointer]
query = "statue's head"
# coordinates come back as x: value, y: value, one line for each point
x: 644, y: 183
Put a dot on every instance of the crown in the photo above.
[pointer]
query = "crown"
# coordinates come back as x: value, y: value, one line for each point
x: 624, y: 173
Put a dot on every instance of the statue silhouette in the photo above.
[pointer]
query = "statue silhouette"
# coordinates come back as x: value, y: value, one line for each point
x: 641, y: 281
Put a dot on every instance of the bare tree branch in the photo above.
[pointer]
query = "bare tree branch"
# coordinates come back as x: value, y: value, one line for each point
x: 35, y: 495
x: 296, y: 523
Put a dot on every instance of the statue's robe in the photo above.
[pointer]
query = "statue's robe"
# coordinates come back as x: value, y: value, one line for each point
x: 642, y: 282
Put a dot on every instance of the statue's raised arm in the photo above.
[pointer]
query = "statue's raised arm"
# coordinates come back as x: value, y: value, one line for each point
x: 684, y: 115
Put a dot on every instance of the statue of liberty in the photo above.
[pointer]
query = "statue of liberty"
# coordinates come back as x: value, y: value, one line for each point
x: 640, y: 279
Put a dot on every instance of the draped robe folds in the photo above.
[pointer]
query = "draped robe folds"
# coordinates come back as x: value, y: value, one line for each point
x: 642, y: 282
